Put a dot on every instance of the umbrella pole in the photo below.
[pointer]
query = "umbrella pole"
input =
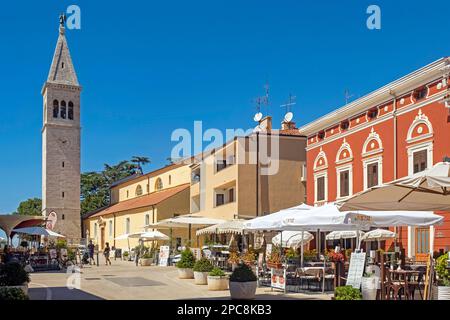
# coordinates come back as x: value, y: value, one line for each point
x: 189, y: 236
x: 302, y: 251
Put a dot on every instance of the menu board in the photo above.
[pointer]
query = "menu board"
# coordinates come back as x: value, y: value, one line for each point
x: 164, y: 256
x: 356, y: 269
x: 278, y: 278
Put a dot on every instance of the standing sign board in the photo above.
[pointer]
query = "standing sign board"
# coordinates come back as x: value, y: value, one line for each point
x: 164, y: 256
x: 278, y: 278
x: 356, y: 269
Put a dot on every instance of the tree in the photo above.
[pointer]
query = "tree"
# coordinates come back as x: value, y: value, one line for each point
x: 30, y: 207
x: 140, y: 161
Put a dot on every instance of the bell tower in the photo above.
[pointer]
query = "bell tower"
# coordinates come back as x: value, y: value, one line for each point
x: 61, y: 143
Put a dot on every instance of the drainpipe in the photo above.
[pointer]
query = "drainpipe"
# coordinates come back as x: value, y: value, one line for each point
x: 394, y: 113
x: 257, y: 174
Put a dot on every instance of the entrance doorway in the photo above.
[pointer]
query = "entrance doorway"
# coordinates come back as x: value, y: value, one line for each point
x: 422, y: 243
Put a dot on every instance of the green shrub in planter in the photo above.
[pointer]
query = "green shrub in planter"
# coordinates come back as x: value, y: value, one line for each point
x: 187, y: 260
x: 217, y: 272
x: 147, y: 255
x: 442, y: 272
x: 12, y: 294
x: 242, y: 273
x: 13, y: 274
x: 347, y: 293
x: 203, y: 265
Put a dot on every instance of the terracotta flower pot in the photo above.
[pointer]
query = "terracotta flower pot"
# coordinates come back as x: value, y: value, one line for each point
x: 200, y: 277
x: 243, y: 290
x: 146, y: 261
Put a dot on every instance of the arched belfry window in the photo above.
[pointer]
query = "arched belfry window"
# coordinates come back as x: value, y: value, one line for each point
x: 55, y: 108
x: 158, y: 184
x: 138, y: 190
x: 63, y: 109
x: 70, y: 111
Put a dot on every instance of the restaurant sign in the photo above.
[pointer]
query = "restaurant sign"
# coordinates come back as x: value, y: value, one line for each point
x: 164, y: 256
x: 278, y: 278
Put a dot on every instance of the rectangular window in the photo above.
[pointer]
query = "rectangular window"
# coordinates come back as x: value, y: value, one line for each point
x: 420, y: 161
x: 127, y: 225
x: 344, y: 183
x: 220, y: 165
x: 219, y: 199
x: 321, y: 189
x: 63, y: 194
x: 372, y: 175
x: 422, y: 240
x: 147, y: 220
x: 110, y: 228
x: 63, y: 164
x: 231, y: 195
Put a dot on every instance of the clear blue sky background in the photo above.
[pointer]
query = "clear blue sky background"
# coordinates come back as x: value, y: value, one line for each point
x: 149, y: 67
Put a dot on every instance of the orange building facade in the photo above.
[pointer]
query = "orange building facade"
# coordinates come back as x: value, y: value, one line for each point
x: 395, y: 131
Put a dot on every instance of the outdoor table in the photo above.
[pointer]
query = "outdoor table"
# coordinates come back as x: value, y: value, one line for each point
x: 318, y: 269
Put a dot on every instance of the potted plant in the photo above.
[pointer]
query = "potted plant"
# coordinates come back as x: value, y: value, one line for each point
x: 249, y: 258
x: 146, y: 259
x: 217, y: 280
x: 7, y: 294
x: 201, y: 269
x: 233, y: 260
x: 13, y: 275
x: 125, y: 255
x: 186, y: 264
x: 369, y: 286
x: 243, y: 283
x: 347, y: 293
x: 274, y: 261
x: 442, y: 290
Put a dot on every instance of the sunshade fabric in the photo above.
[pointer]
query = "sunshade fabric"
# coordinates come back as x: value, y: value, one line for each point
x: 427, y: 190
x: 39, y: 231
x: 378, y: 234
x: 233, y: 226
x: 292, y: 239
x: 184, y: 222
x: 343, y: 234
x: 154, y: 235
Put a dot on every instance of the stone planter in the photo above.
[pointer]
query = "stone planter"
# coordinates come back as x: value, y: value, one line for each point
x: 243, y: 290
x: 441, y: 293
x: 146, y: 261
x: 217, y: 283
x: 369, y: 287
x: 185, y: 273
x: 23, y: 287
x: 200, y: 277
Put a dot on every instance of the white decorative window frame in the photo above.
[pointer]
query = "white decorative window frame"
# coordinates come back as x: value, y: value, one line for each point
x: 421, y: 118
x: 373, y: 160
x: 344, y: 147
x: 340, y: 169
x: 427, y: 145
x: 317, y: 176
x: 323, y: 155
x: 372, y: 136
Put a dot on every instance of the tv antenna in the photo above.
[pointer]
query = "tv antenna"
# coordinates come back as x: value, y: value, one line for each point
x: 348, y: 96
x: 261, y: 101
x: 288, y: 106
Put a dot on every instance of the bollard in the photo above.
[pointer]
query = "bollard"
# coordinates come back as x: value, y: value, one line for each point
x: 97, y: 260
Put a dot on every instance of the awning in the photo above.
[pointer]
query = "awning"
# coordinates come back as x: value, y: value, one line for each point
x: 233, y: 226
x: 428, y: 190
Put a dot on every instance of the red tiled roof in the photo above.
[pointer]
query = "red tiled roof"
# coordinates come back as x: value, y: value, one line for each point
x: 142, y: 201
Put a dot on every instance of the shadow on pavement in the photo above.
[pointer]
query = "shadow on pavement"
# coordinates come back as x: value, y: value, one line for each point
x: 60, y: 293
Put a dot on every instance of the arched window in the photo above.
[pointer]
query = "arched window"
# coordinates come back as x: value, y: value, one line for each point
x: 147, y: 220
x: 55, y: 108
x: 110, y: 228
x: 63, y: 109
x: 138, y: 190
x: 70, y: 111
x: 158, y: 184
x: 127, y: 226
x: 95, y: 230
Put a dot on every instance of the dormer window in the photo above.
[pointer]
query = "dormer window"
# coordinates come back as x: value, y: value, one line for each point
x: 420, y: 94
x: 345, y: 125
x: 372, y: 113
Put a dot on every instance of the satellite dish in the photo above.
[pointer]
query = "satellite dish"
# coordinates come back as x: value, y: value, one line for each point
x: 257, y: 129
x: 257, y: 117
x: 288, y: 116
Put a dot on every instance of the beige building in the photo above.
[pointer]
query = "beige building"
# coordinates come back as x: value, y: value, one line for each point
x: 138, y: 201
x: 228, y: 182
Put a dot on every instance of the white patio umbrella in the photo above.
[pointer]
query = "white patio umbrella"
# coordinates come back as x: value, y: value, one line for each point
x: 426, y: 190
x: 379, y: 235
x: 292, y: 239
x: 343, y: 234
x: 38, y: 231
x: 274, y: 221
x: 154, y: 236
x: 127, y: 236
x: 233, y: 226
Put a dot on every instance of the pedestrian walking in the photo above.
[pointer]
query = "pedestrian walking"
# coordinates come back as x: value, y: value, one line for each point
x: 106, y: 252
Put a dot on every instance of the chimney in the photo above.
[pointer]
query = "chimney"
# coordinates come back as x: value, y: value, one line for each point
x: 266, y: 124
x: 287, y: 125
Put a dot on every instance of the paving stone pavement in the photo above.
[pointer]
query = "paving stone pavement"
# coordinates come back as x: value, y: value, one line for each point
x: 123, y: 280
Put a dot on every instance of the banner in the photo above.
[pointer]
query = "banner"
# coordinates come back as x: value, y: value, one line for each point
x: 278, y: 278
x: 164, y: 252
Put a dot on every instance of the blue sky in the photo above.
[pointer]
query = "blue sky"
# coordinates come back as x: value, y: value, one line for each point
x: 149, y: 67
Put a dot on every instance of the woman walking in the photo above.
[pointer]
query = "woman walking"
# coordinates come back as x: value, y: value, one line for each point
x: 106, y: 253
